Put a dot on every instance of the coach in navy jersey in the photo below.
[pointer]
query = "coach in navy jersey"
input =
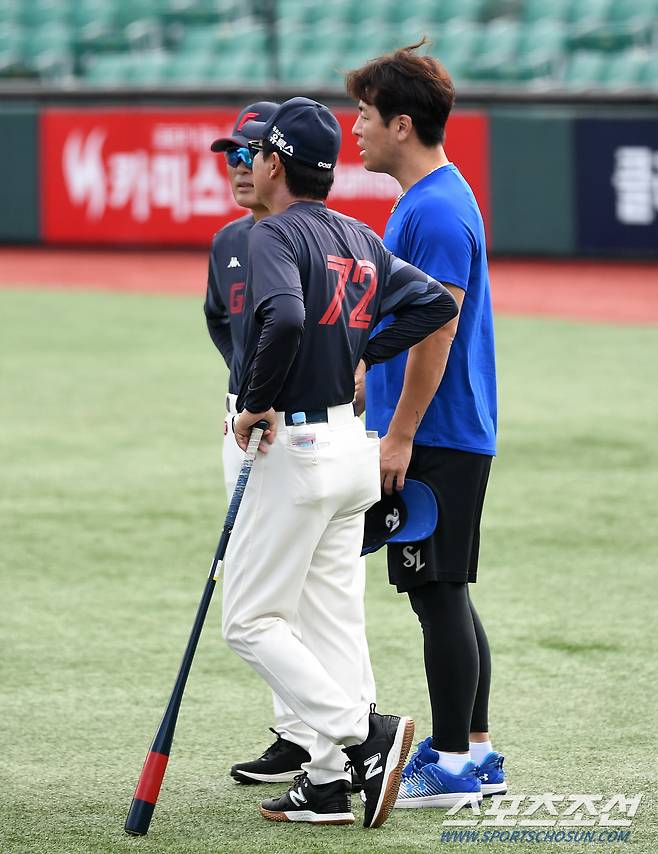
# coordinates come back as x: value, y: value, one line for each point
x: 436, y: 412
x: 317, y: 283
x: 227, y: 271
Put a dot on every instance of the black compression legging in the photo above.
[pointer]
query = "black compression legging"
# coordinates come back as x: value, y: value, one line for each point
x: 457, y: 662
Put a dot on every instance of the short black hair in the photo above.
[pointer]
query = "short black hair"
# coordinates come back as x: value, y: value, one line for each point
x: 407, y: 83
x: 302, y: 181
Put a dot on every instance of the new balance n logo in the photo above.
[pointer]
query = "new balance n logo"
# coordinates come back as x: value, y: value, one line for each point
x: 297, y: 797
x: 371, y: 765
x: 233, y: 262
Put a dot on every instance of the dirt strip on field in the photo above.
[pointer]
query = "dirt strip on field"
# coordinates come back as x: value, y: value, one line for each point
x: 600, y: 291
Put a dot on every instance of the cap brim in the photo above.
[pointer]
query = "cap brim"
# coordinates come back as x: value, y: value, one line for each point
x: 229, y: 142
x: 422, y: 513
x: 253, y: 129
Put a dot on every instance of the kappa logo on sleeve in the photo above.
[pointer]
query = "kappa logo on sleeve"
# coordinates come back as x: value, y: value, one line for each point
x: 233, y: 263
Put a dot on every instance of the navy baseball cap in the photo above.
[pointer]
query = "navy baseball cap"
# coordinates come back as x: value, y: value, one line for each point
x: 261, y: 112
x: 408, y: 516
x: 303, y: 130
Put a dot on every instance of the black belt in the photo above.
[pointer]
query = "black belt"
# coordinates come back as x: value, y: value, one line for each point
x: 313, y: 416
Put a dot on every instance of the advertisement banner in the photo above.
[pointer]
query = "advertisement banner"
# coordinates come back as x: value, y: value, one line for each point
x: 147, y: 176
x: 617, y: 185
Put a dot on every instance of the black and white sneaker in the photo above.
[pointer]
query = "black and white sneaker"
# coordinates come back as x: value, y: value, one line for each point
x: 329, y: 803
x: 281, y: 763
x: 379, y: 762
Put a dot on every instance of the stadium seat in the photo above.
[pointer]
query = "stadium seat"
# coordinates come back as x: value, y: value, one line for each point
x: 588, y: 12
x: 127, y: 11
x: 625, y: 68
x: 149, y: 68
x: 628, y: 23
x: 198, y: 39
x: 536, y: 10
x: 10, y: 12
x: 38, y: 13
x: 493, y: 9
x: 51, y: 38
x: 95, y: 12
x: 494, y: 50
x: 649, y: 76
x: 448, y: 10
x: 585, y: 69
x: 109, y: 69
x: 455, y: 37
x: 188, y: 69
x: 244, y: 68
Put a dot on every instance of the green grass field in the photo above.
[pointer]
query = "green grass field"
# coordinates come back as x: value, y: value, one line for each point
x: 111, y: 502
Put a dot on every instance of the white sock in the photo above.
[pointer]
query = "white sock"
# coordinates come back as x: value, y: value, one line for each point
x: 479, y: 750
x: 453, y: 762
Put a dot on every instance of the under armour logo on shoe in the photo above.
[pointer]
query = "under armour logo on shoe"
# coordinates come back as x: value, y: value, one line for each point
x: 371, y: 765
x: 233, y: 262
x: 297, y: 797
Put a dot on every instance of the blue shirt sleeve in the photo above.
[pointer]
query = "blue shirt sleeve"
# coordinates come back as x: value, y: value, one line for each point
x: 441, y: 244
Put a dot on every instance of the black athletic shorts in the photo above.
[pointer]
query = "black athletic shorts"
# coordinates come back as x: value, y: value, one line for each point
x: 459, y: 482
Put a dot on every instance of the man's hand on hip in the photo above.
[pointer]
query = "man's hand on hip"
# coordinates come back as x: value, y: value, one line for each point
x: 360, y: 388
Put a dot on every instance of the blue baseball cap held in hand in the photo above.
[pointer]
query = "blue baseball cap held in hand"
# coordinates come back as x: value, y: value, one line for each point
x: 408, y: 516
x: 303, y: 130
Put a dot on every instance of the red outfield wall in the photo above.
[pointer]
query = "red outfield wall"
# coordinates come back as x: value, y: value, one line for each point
x: 146, y: 176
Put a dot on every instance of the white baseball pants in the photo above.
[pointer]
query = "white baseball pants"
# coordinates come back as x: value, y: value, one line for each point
x: 293, y: 582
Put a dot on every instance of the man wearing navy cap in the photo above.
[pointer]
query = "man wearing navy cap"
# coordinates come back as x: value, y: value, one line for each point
x: 317, y: 283
x: 227, y: 272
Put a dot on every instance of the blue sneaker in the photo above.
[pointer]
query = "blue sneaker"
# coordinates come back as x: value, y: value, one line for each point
x: 491, y: 774
x: 424, y: 754
x: 433, y: 786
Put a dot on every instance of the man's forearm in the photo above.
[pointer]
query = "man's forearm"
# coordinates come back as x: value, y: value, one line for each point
x: 426, y: 365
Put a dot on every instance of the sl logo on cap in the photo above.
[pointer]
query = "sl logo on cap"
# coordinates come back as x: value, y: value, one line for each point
x: 392, y: 520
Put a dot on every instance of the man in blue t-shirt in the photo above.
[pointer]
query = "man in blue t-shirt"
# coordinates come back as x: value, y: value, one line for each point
x: 441, y: 427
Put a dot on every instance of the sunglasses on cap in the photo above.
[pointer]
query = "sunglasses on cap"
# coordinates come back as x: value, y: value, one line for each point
x: 236, y: 156
x: 255, y: 147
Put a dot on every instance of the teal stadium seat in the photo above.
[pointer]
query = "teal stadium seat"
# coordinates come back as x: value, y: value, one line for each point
x: 585, y: 69
x: 92, y: 12
x: 109, y: 69
x: 48, y: 50
x: 540, y: 50
x: 10, y: 12
x: 539, y: 10
x: 11, y: 44
x: 494, y: 50
x: 649, y: 77
x: 448, y: 10
x: 189, y: 69
x: 149, y: 68
x: 239, y: 68
x: 625, y: 68
x: 39, y: 13
x: 454, y: 46
x: 628, y: 23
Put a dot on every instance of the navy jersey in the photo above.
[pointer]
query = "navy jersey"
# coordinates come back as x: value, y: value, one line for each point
x: 224, y: 305
x: 346, y: 280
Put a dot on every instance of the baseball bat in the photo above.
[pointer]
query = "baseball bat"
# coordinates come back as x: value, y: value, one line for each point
x: 150, y: 780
